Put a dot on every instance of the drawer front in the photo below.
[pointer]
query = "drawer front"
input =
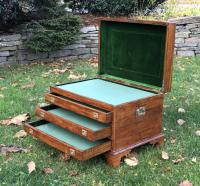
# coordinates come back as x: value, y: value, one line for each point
x: 80, y: 108
x: 65, y: 147
x: 93, y: 135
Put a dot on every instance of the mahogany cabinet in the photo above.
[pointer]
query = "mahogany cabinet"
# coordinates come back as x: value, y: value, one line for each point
x: 121, y: 108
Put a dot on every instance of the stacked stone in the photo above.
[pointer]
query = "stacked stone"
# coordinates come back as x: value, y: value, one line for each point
x: 12, y: 50
x: 8, y: 48
x: 187, y: 42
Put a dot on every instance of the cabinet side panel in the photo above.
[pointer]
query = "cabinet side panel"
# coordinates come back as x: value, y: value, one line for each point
x: 131, y: 127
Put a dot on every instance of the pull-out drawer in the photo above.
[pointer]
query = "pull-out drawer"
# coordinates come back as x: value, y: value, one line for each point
x: 65, y: 141
x: 78, y: 124
x: 79, y: 107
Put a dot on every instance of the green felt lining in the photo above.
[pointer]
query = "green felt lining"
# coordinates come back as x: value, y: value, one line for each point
x: 130, y: 81
x: 68, y: 137
x: 106, y: 91
x: 78, y: 119
x: 133, y: 51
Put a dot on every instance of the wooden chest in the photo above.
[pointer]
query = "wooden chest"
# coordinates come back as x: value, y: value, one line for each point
x: 121, y: 109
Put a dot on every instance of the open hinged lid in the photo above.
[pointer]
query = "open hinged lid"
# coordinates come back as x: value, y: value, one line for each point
x: 139, y: 52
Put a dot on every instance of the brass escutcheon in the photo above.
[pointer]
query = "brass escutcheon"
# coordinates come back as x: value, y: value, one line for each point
x: 95, y: 115
x: 84, y: 132
x: 141, y: 111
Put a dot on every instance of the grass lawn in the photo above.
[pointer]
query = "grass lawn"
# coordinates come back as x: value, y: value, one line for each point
x: 152, y: 170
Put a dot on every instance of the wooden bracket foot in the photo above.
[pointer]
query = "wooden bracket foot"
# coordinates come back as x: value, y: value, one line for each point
x: 114, y: 158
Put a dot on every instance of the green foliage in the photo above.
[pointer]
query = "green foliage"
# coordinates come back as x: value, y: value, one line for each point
x: 9, y: 13
x: 52, y: 34
x: 15, y: 12
x: 113, y: 7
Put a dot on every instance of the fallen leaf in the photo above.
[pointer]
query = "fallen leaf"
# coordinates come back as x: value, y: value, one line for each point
x: 1, y: 96
x: 166, y: 169
x: 11, y: 149
x: 3, y: 88
x: 197, y: 133
x: 8, y: 157
x: 43, y: 104
x: 2, y: 78
x: 131, y: 161
x: 76, y: 76
x: 173, y: 140
x: 17, y: 120
x: 14, y: 84
x: 93, y: 60
x: 181, y: 110
x: 180, y: 159
x: 73, y: 173
x: 180, y: 121
x: 165, y: 155
x: 185, y: 183
x: 28, y: 85
x: 47, y: 170
x: 20, y: 134
x: 64, y: 156
x: 194, y: 159
x: 31, y: 167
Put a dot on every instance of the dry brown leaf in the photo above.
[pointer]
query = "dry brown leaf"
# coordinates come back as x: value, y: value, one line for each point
x: 131, y: 161
x: 197, y: 133
x: 73, y: 173
x: 47, y: 170
x: 20, y: 134
x: 185, y: 183
x: 17, y: 120
x: 167, y: 169
x: 173, y: 140
x: 76, y: 76
x: 181, y: 110
x: 14, y: 84
x: 93, y: 60
x: 165, y: 155
x: 180, y: 159
x: 28, y: 85
x: 11, y: 149
x: 43, y: 104
x: 3, y: 88
x: 2, y: 78
x: 1, y: 96
x: 180, y: 121
x: 194, y: 159
x: 64, y: 156
x: 31, y: 166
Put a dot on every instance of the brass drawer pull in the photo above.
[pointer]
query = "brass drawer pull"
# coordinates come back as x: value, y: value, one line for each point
x: 141, y: 111
x: 84, y: 132
x: 95, y: 115
x: 52, y: 100
x: 30, y: 131
x: 72, y: 152
x: 42, y: 114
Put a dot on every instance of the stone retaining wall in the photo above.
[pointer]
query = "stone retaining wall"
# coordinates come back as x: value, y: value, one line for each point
x: 12, y: 50
x: 187, y: 41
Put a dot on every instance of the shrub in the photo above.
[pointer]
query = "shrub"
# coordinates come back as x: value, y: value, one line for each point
x: 48, y: 35
x: 15, y: 12
x: 113, y: 7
